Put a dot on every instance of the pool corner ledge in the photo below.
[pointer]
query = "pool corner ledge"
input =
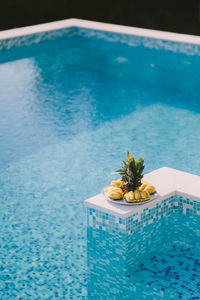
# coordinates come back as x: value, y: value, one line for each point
x: 169, y: 183
x: 116, y: 234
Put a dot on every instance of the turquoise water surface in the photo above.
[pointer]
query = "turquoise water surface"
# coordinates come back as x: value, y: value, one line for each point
x: 72, y: 103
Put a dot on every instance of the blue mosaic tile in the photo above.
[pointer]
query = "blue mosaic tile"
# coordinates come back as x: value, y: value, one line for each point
x: 133, y: 41
x: 36, y: 38
x: 153, y: 254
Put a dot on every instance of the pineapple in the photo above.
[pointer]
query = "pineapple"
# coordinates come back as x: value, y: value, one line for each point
x: 131, y: 187
x: 131, y: 173
x: 117, y: 183
x: 116, y: 194
x: 147, y: 187
x: 137, y: 196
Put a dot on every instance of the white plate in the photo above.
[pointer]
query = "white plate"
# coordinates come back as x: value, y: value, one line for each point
x: 124, y: 202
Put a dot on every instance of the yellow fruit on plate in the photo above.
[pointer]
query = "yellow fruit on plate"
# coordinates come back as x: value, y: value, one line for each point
x: 115, y: 194
x: 144, y: 195
x: 137, y: 196
x: 144, y: 184
x: 117, y: 183
x: 129, y: 197
x: 130, y: 186
x: 109, y: 188
x: 150, y: 188
x: 147, y: 187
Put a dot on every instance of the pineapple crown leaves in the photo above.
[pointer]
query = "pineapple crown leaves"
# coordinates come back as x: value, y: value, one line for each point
x: 131, y: 173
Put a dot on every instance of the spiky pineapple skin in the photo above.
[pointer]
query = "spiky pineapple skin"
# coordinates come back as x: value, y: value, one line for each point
x: 132, y: 174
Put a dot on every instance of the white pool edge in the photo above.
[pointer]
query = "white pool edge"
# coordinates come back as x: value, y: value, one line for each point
x: 169, y: 182
x: 163, y: 35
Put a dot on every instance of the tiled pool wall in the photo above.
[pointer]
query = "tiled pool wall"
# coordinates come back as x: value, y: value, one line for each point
x: 117, y: 246
x: 36, y: 38
x: 122, y: 37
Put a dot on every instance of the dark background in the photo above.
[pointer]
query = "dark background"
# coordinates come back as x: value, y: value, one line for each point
x: 176, y: 16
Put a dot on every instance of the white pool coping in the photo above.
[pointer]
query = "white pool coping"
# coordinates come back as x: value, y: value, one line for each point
x: 168, y: 182
x: 163, y: 35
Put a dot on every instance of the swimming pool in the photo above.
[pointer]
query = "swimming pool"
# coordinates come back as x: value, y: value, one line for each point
x: 73, y: 101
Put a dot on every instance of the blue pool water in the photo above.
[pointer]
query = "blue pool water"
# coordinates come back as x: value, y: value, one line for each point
x: 72, y: 103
